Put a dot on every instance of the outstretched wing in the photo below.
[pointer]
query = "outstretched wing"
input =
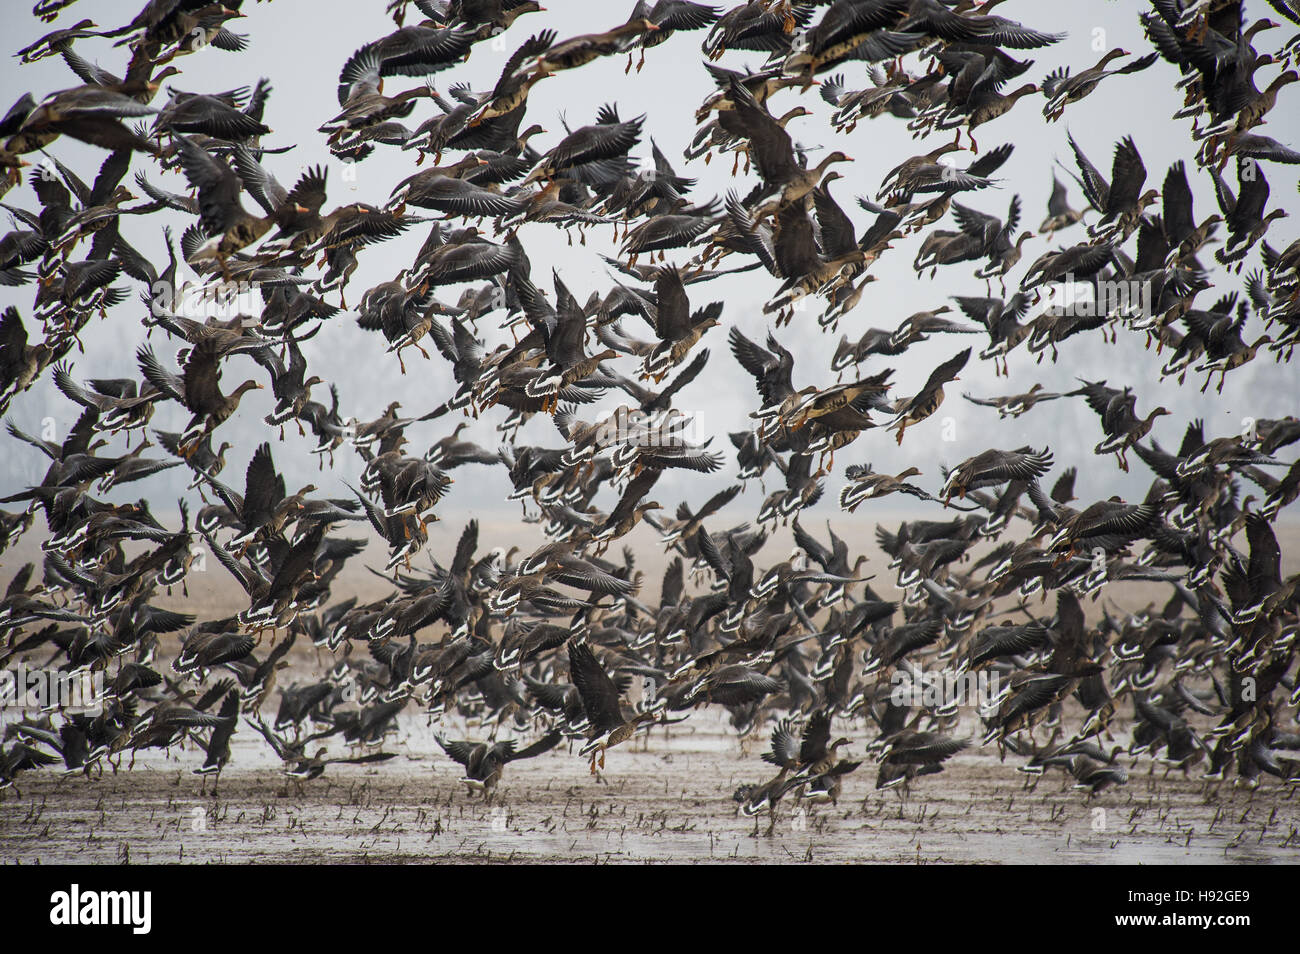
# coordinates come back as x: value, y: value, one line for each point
x: 595, y: 687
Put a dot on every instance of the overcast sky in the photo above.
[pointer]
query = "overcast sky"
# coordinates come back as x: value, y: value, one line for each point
x: 300, y: 46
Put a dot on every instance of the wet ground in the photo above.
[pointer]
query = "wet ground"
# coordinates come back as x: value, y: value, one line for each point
x: 660, y: 799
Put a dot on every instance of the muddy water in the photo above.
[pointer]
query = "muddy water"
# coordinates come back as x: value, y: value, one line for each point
x: 663, y: 798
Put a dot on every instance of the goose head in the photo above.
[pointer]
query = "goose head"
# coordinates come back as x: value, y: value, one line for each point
x: 793, y: 113
x: 634, y: 27
x: 1259, y: 26
x: 830, y: 160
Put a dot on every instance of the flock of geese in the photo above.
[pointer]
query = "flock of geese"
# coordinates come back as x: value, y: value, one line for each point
x: 555, y: 646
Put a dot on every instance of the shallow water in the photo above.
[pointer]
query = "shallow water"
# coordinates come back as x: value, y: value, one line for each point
x: 658, y: 799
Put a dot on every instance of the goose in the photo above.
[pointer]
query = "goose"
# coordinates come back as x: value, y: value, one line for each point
x: 1120, y: 201
x: 609, y: 726
x: 772, y: 150
x: 88, y: 113
x: 1059, y: 214
x: 222, y: 215
x: 56, y: 40
x: 1117, y: 410
x: 992, y: 467
x: 1061, y: 88
x: 215, y: 116
x: 579, y: 50
x: 1014, y: 405
x: 1243, y: 213
x: 197, y: 388
x: 912, y: 753
x: 302, y: 767
x: 866, y: 484
x: 484, y: 764
x: 925, y: 402
x: 670, y: 16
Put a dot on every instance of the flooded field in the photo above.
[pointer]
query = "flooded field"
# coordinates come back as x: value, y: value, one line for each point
x: 660, y: 799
